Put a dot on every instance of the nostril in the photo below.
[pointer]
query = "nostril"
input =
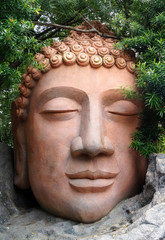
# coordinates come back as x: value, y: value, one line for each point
x: 99, y: 147
x: 92, y: 150
x: 76, y: 146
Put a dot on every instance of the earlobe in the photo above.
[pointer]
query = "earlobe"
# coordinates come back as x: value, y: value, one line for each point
x: 20, y: 164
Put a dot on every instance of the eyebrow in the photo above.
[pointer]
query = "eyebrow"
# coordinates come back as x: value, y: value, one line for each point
x: 62, y: 91
x: 113, y: 95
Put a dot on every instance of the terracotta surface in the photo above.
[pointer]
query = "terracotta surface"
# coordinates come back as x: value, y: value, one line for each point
x: 78, y: 48
x: 73, y: 148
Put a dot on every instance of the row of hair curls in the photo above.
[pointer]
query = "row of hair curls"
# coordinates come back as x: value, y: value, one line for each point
x: 76, y: 49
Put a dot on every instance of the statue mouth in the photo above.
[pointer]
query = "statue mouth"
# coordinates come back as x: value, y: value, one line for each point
x: 91, y: 175
x: 88, y: 181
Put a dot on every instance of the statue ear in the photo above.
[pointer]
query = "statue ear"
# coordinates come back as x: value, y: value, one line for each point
x: 20, y: 164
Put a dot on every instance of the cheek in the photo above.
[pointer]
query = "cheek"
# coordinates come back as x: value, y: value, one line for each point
x: 52, y: 133
x: 120, y: 135
x: 120, y: 130
x: 48, y: 145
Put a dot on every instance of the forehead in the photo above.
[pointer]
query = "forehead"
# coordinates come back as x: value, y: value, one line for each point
x: 86, y: 79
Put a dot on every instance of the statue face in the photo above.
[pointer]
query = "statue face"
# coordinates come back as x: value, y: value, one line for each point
x: 77, y: 138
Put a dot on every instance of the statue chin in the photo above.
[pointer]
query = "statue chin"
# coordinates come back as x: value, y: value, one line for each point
x: 72, y: 133
x: 81, y: 208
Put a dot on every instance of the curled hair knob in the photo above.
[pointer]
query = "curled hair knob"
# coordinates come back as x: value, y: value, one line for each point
x: 96, y: 38
x: 29, y: 82
x: 76, y: 49
x: 70, y: 42
x: 115, y: 53
x: 97, y: 44
x: 126, y: 56
x: 24, y: 76
x: 63, y: 48
x: 22, y: 113
x: 22, y: 101
x: 103, y: 51
x: 49, y: 52
x: 110, y: 46
x: 85, y: 43
x: 109, y: 40
x: 36, y: 74
x: 29, y: 69
x: 56, y: 60
x: 45, y: 64
x: 39, y: 57
x: 69, y: 58
x: 120, y: 62
x: 96, y: 61
x: 56, y: 44
x: 83, y: 59
x: 91, y: 51
x: 26, y: 92
x: 108, y: 61
x: 131, y: 66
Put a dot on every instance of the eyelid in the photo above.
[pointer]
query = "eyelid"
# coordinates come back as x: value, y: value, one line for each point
x: 123, y: 108
x: 61, y: 104
x: 60, y: 111
x: 123, y: 114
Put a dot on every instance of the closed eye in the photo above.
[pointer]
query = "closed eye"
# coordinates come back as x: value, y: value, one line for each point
x: 60, y: 115
x: 60, y: 111
x: 123, y: 114
x: 123, y: 108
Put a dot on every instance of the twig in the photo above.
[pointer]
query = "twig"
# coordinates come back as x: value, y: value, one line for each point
x: 89, y: 24
x: 93, y: 30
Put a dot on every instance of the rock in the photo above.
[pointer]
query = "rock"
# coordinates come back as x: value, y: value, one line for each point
x: 10, y: 197
x: 7, y: 195
x: 138, y: 218
x: 160, y: 163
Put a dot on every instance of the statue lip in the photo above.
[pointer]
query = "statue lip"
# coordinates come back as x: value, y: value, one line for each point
x: 93, y: 175
x: 85, y: 185
x: 90, y: 182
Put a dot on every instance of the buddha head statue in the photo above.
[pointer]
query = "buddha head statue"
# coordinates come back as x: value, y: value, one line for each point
x: 73, y: 126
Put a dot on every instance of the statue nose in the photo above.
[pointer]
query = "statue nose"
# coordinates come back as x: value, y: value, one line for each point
x: 92, y: 140
x: 91, y: 147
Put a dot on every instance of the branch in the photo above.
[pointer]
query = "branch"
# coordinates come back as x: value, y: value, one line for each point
x: 43, y: 32
x: 54, y: 33
x: 93, y: 30
x: 92, y: 27
x: 70, y: 21
x: 51, y: 34
x: 51, y: 28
